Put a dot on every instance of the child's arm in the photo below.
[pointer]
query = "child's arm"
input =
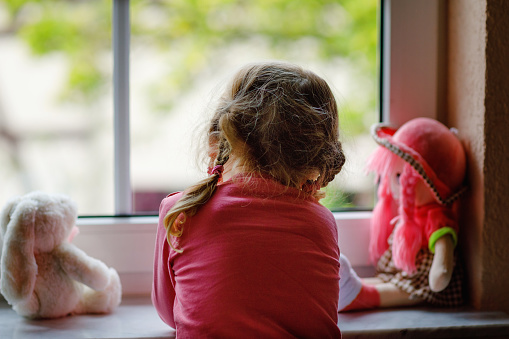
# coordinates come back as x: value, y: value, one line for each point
x: 82, y: 268
x: 441, y: 269
x: 163, y: 283
x: 163, y: 291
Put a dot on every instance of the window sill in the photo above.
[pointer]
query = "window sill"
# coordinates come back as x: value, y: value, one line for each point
x: 424, y: 322
x: 127, y: 244
x: 134, y: 318
x: 137, y: 318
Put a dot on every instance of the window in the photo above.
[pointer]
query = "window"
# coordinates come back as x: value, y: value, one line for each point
x: 56, y: 112
x: 167, y: 59
x: 181, y: 51
x: 411, y: 87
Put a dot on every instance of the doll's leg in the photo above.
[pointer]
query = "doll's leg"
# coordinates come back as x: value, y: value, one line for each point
x: 391, y: 296
x: 28, y: 308
x: 372, y: 281
x: 354, y: 294
x: 357, y: 294
x: 101, y: 301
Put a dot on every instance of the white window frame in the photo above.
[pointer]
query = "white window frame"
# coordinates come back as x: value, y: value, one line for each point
x: 411, y: 84
x: 121, y: 32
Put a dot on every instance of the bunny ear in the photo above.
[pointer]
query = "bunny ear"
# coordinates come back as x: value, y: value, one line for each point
x: 18, y: 264
x: 5, y: 215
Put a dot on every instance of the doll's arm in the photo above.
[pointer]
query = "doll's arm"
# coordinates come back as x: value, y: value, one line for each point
x: 441, y: 269
x: 82, y: 268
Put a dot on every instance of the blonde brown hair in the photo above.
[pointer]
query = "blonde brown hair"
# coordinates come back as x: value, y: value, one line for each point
x: 282, y: 121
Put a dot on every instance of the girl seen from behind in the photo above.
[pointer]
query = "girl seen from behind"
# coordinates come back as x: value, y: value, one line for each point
x: 249, y: 252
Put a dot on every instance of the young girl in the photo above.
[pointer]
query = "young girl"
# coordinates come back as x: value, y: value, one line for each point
x: 249, y: 252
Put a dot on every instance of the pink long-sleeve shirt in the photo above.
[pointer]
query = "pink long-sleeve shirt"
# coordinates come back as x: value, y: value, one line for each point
x: 258, y: 261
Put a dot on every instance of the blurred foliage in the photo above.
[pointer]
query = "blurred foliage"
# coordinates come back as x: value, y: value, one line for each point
x: 343, y: 29
x: 335, y: 199
x: 79, y: 29
x: 198, y: 30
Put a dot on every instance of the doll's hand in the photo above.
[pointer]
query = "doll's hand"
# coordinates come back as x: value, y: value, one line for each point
x: 442, y: 266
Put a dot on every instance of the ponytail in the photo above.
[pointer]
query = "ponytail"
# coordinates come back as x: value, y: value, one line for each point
x: 195, y: 196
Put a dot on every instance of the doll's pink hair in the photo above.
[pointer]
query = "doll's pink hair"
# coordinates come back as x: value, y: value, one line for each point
x: 382, y: 162
x: 408, y: 236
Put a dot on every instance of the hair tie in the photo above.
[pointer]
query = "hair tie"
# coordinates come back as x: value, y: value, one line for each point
x: 218, y: 169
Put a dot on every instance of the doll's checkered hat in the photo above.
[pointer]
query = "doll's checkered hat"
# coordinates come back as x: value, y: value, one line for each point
x: 433, y: 150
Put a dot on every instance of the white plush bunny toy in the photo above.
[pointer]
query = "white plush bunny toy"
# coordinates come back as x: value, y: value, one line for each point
x: 42, y: 274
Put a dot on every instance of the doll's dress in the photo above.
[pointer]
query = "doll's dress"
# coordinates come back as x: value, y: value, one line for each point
x: 417, y: 284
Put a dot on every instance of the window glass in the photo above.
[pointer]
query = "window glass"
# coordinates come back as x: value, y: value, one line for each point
x: 55, y: 101
x: 183, y: 51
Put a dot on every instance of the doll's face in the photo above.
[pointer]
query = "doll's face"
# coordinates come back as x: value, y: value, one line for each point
x: 423, y: 194
x: 394, y: 178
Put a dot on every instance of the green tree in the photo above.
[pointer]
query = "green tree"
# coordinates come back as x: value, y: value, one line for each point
x: 199, y: 30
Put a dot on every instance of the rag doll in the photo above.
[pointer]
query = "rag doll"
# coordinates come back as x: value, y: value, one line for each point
x: 420, y: 169
x: 43, y: 275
